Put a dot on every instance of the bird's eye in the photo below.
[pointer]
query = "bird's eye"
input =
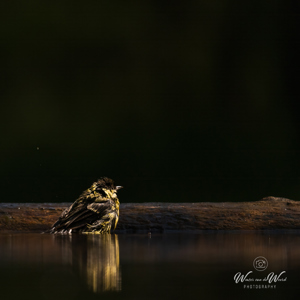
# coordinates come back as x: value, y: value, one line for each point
x: 101, y: 192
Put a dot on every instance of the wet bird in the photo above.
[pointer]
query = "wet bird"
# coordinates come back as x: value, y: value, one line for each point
x: 95, y: 211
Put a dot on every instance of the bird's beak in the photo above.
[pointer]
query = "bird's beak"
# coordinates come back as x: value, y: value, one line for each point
x: 118, y: 187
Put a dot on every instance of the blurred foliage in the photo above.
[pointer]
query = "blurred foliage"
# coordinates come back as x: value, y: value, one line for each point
x: 193, y: 101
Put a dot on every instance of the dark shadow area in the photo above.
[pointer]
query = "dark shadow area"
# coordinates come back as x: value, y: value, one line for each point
x: 194, y: 101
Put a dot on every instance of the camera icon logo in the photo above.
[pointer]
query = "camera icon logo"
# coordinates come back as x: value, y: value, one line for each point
x: 260, y: 263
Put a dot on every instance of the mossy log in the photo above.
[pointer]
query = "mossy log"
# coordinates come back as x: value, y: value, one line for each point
x: 268, y: 213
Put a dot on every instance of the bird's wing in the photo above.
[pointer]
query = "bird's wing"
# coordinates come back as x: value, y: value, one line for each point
x: 99, y: 207
x: 79, y: 214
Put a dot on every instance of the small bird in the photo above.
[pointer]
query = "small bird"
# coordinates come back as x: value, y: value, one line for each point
x: 95, y: 211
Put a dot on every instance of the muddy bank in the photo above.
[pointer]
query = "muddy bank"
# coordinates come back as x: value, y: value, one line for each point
x: 268, y: 213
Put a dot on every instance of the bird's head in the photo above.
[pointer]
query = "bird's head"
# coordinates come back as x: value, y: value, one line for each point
x: 106, y: 187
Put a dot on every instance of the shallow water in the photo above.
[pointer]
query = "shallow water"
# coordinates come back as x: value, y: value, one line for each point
x: 140, y: 266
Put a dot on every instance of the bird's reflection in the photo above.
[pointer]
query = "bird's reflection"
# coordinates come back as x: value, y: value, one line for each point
x: 103, y: 263
x: 96, y: 257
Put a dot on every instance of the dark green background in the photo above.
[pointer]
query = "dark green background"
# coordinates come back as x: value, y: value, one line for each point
x: 188, y: 101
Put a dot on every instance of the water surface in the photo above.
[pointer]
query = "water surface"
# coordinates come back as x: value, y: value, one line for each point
x: 141, y: 266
